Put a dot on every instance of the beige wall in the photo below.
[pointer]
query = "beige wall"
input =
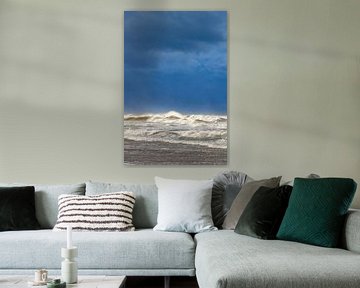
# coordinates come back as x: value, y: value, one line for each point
x: 294, y: 89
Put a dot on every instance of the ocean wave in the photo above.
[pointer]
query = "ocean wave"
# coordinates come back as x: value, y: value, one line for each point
x: 178, y: 118
x: 174, y: 127
x: 221, y: 143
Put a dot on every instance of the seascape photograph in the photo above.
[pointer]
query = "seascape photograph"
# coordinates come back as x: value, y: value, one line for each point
x: 175, y: 88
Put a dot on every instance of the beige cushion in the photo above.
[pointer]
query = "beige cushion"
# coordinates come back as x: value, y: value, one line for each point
x: 243, y: 198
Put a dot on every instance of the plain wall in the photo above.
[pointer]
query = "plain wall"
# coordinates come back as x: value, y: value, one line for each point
x: 293, y: 89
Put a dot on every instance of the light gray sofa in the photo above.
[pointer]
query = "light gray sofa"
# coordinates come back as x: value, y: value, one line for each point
x: 220, y: 259
x: 226, y: 259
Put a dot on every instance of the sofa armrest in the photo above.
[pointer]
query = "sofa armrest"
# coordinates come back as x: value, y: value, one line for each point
x: 351, y: 233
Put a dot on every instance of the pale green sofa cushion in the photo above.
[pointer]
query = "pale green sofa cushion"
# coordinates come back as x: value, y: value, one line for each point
x: 142, y: 250
x: 146, y: 204
x: 350, y: 239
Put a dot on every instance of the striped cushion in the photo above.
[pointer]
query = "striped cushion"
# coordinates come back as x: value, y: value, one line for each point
x: 105, y: 212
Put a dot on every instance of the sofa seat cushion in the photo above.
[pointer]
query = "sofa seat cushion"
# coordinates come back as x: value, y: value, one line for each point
x: 226, y: 259
x: 142, y: 249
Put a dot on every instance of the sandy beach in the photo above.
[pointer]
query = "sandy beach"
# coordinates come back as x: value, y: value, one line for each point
x: 162, y: 153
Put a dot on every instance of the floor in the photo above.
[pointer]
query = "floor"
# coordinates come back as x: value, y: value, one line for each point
x: 158, y: 282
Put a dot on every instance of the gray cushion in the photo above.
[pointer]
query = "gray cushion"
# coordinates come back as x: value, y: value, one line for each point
x: 146, y: 204
x: 184, y: 205
x: 225, y: 189
x: 226, y: 259
x: 243, y: 198
x: 144, y: 249
x: 291, y: 182
x: 46, y: 200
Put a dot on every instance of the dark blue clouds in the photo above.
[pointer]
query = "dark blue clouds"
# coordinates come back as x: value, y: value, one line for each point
x: 175, y: 61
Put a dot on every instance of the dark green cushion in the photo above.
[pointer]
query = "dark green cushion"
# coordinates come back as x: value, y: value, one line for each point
x: 17, y: 208
x: 316, y: 211
x: 264, y: 213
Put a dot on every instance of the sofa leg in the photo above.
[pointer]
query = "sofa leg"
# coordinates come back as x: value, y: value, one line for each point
x: 167, y: 282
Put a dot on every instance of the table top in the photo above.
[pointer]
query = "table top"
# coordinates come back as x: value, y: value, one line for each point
x: 84, y: 281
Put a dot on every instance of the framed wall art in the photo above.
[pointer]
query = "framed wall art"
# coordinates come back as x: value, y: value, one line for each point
x: 175, y: 87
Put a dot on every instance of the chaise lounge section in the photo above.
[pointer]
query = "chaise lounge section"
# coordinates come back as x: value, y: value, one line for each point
x: 225, y: 259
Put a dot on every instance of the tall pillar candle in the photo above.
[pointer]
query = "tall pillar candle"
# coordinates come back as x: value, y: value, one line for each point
x: 69, y: 237
x: 69, y: 265
x: 69, y: 270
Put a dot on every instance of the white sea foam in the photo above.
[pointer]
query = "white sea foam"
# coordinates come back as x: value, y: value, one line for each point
x: 176, y: 117
x: 174, y: 127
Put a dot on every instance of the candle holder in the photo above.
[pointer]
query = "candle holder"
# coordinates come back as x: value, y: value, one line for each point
x: 69, y: 271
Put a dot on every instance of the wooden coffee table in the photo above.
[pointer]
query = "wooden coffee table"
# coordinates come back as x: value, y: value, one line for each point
x: 84, y: 281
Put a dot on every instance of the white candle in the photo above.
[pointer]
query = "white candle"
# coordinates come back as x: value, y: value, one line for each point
x: 69, y: 239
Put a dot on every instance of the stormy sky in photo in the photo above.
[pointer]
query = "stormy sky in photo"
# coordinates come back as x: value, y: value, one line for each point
x: 175, y: 61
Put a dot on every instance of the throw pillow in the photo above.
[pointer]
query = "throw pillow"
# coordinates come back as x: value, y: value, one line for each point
x: 243, y: 198
x: 184, y: 205
x: 263, y: 215
x: 17, y: 209
x: 317, y: 209
x: 105, y: 212
x: 226, y: 187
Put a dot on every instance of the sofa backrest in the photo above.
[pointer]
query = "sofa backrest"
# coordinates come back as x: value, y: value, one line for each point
x: 146, y: 203
x: 46, y: 200
x: 351, y: 236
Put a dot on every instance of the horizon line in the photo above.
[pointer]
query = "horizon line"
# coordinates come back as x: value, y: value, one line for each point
x: 174, y: 111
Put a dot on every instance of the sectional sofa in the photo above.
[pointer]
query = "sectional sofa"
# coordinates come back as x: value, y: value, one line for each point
x: 221, y: 259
